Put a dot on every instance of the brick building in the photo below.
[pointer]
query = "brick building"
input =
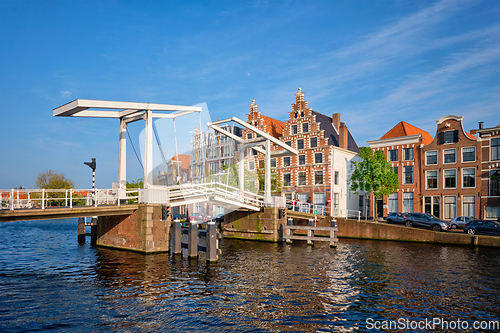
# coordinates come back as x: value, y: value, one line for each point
x: 489, y: 174
x: 321, y: 170
x: 450, y: 165
x: 403, y: 147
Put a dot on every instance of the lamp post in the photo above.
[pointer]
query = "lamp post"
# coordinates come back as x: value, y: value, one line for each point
x: 92, y: 165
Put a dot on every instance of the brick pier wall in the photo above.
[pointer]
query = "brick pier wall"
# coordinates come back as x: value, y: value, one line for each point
x: 261, y: 226
x: 142, y: 231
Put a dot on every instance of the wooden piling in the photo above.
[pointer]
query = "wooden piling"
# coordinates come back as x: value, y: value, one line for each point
x: 82, y: 232
x: 212, y: 242
x: 193, y: 239
x: 176, y: 237
x: 93, y: 231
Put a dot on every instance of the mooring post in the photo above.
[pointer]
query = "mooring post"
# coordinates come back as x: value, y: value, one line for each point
x: 193, y: 239
x: 333, y: 233
x: 93, y: 230
x: 289, y: 232
x: 212, y: 242
x: 82, y: 232
x: 176, y: 237
x: 310, y: 232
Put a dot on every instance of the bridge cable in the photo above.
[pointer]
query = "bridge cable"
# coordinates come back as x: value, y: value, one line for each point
x: 134, y: 148
x: 201, y: 140
x: 159, y: 144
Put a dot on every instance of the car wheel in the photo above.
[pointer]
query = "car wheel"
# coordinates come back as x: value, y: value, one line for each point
x: 436, y: 228
x: 408, y: 224
x: 453, y: 226
x: 471, y: 232
x: 389, y: 221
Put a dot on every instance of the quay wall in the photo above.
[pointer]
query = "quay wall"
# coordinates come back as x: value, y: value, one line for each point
x: 266, y: 226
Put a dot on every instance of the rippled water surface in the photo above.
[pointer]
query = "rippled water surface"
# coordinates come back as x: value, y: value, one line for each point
x: 50, y: 283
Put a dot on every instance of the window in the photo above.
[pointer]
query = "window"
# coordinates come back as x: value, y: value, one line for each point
x: 336, y: 179
x: 469, y: 177
x: 495, y: 183
x: 431, y: 157
x: 408, y: 174
x: 251, y: 165
x: 495, y: 149
x: 287, y: 179
x: 305, y: 127
x: 288, y: 143
x: 395, y: 169
x: 450, y: 207
x: 318, y: 158
x: 432, y: 179
x: 300, y: 144
x: 450, y: 156
x: 448, y: 137
x: 393, y: 155
x: 408, y: 202
x: 335, y: 204
x: 302, y: 178
x: 249, y: 136
x: 469, y: 154
x: 469, y: 202
x: 286, y: 161
x: 273, y: 163
x: 294, y: 129
x: 450, y: 178
x: 254, y: 152
x: 393, y: 202
x: 319, y: 198
x: 314, y: 142
x: 407, y: 154
x: 318, y: 177
x: 302, y: 159
x: 492, y: 212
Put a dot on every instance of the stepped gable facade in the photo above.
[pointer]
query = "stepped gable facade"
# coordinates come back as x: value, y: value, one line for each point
x: 403, y: 147
x: 451, y: 166
x: 489, y: 172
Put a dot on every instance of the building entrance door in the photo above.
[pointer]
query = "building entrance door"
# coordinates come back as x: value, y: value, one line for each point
x: 380, y: 207
x: 432, y: 205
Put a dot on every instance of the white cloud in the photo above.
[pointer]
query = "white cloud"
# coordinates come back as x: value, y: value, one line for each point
x: 66, y: 94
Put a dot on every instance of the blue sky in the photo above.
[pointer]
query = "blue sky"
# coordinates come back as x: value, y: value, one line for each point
x: 375, y: 62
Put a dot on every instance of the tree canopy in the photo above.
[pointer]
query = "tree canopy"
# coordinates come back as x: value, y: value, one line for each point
x: 53, y: 180
x: 139, y: 183
x: 374, y: 174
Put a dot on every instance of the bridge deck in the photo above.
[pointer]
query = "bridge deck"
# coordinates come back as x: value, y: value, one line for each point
x: 64, y: 212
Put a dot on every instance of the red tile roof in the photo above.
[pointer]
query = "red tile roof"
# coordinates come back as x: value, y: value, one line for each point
x: 273, y: 126
x: 405, y: 129
x: 470, y: 136
x: 185, y: 160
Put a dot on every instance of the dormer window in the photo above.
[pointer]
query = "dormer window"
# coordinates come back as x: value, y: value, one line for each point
x: 448, y: 137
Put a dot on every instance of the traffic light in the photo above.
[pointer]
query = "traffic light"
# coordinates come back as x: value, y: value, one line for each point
x: 281, y: 213
x: 165, y: 213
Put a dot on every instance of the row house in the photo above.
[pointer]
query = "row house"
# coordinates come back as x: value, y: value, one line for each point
x: 322, y: 169
x: 489, y: 174
x: 403, y: 147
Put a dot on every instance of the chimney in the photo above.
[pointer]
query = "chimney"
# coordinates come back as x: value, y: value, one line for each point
x: 336, y: 121
x: 480, y: 125
x: 343, y: 136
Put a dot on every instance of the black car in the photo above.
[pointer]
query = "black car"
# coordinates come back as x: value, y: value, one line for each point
x: 395, y: 218
x: 181, y: 217
x: 482, y: 227
x: 424, y: 220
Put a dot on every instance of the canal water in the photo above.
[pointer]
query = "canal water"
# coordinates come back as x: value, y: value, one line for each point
x: 50, y: 283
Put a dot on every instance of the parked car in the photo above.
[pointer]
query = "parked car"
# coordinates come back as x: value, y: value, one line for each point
x: 424, y: 220
x: 460, y: 221
x: 219, y: 218
x: 181, y: 217
x: 197, y: 217
x: 395, y: 218
x: 482, y: 227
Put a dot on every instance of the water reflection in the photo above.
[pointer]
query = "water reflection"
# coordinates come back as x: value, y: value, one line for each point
x: 49, y: 282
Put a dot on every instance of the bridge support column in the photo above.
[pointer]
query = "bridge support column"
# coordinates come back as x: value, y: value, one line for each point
x: 143, y: 231
x: 82, y: 232
x: 93, y: 231
x: 193, y: 240
x: 176, y: 237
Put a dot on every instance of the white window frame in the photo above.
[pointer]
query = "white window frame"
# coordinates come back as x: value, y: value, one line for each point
x: 462, y: 150
x: 449, y: 208
x: 437, y: 157
x: 475, y: 179
x: 444, y: 179
x: 444, y: 160
x: 466, y: 212
x: 426, y: 180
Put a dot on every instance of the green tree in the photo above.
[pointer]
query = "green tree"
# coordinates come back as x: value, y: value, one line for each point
x: 374, y: 174
x: 276, y: 184
x: 229, y: 175
x: 139, y: 183
x: 53, y: 180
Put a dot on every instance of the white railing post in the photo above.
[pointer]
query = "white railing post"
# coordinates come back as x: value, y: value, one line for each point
x: 17, y: 199
x: 29, y: 199
x: 359, y: 215
x: 43, y: 198
x: 12, y: 199
x: 71, y: 198
x: 95, y: 197
x: 66, y: 198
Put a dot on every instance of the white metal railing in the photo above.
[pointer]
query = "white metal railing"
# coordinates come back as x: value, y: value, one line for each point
x: 44, y: 198
x: 307, y: 208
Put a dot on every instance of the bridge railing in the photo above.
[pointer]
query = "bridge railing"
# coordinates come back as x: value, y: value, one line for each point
x: 307, y: 208
x: 44, y: 198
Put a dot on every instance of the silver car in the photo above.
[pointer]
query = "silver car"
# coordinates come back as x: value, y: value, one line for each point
x: 460, y: 221
x: 423, y: 220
